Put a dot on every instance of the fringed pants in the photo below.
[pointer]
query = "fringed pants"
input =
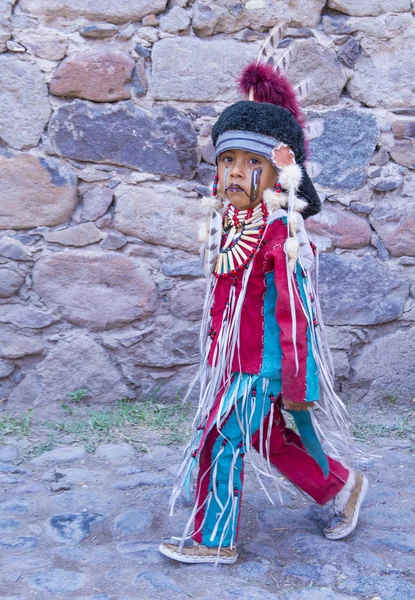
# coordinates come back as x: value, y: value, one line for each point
x: 253, y: 421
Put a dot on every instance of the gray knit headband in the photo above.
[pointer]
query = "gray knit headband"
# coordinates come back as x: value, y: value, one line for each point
x: 246, y: 140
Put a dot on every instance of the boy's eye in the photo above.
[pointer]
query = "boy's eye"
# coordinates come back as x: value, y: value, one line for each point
x: 254, y: 161
x: 227, y: 159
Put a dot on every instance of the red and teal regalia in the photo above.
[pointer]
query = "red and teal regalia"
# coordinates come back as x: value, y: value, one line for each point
x: 261, y: 338
x: 262, y: 335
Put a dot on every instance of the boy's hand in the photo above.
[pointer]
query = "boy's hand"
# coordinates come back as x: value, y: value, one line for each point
x: 297, y: 406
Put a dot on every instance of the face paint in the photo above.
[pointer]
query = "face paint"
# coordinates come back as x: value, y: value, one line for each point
x: 255, y: 184
x: 225, y: 177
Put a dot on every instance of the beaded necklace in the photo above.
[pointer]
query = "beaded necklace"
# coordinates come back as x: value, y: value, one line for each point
x: 238, y: 248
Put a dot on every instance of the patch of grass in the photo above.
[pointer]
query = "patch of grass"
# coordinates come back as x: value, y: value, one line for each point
x: 16, y: 426
x: 124, y: 414
x: 391, y: 399
x: 365, y: 432
x: 144, y: 424
x: 141, y: 424
x: 402, y: 425
x: 43, y: 446
x: 405, y: 424
x: 78, y: 395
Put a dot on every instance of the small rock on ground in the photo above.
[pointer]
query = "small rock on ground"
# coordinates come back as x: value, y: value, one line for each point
x: 115, y: 453
x: 133, y: 522
x: 57, y: 580
x: 60, y: 455
x: 8, y: 453
x: 71, y: 528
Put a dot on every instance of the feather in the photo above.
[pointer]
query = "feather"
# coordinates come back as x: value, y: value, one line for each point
x: 211, y: 202
x: 314, y: 128
x: 323, y: 39
x: 291, y: 248
x: 202, y: 234
x: 321, y: 242
x: 293, y: 224
x: 205, y: 202
x: 300, y: 205
x: 215, y: 236
x: 304, y: 88
x: 326, y: 217
x: 270, y: 44
x: 274, y: 201
x: 286, y: 57
x: 264, y: 81
x: 313, y: 168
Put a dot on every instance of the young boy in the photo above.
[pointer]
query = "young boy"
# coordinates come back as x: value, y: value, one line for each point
x: 260, y: 340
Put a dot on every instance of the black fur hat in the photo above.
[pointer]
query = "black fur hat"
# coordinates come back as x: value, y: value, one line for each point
x: 263, y: 117
x: 275, y: 122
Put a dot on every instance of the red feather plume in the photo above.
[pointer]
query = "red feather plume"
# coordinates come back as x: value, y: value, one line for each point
x: 269, y: 85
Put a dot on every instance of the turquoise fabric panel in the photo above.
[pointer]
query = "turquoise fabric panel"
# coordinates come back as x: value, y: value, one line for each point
x: 309, y: 438
x: 250, y: 416
x: 232, y: 431
x: 312, y: 379
x: 272, y: 352
x: 243, y: 421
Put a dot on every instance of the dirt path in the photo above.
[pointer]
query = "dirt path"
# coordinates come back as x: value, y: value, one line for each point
x: 76, y: 524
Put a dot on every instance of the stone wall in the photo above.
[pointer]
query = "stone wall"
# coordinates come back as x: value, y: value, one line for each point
x: 106, y: 110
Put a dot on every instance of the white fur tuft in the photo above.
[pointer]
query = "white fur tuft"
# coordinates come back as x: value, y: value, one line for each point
x: 293, y: 224
x: 290, y: 174
x: 211, y: 202
x: 299, y: 205
x: 274, y: 201
x: 291, y: 248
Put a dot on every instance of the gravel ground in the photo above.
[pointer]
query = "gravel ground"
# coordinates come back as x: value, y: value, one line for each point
x: 86, y: 525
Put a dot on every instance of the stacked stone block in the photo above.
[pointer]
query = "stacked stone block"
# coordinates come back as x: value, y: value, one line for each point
x: 106, y: 110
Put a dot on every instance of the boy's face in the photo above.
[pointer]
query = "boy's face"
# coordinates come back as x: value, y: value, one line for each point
x: 247, y: 176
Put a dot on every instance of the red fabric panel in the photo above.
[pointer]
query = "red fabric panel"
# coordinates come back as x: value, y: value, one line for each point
x: 210, y: 436
x: 289, y: 456
x: 252, y: 323
x: 203, y: 481
x: 221, y: 296
x: 270, y: 257
x: 252, y: 316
